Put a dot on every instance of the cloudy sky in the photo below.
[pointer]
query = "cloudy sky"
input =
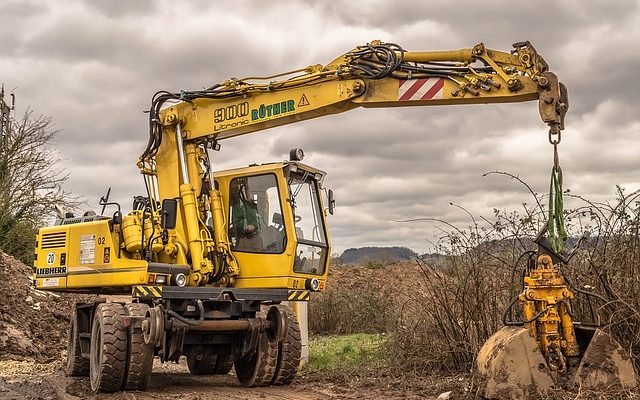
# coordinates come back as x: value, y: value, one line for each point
x: 93, y: 66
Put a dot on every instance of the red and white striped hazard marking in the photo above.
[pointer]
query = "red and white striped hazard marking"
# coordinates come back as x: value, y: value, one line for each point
x: 421, y: 89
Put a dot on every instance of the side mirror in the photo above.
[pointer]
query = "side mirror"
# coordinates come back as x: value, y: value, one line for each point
x: 332, y: 201
x: 169, y: 213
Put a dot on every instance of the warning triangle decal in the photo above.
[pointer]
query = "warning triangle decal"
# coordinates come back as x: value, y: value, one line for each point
x: 303, y: 101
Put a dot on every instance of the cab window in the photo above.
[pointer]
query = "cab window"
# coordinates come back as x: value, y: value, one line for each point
x: 311, y: 252
x: 255, y: 215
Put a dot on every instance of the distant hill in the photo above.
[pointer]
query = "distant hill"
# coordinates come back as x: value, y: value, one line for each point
x: 384, y: 255
x: 381, y: 256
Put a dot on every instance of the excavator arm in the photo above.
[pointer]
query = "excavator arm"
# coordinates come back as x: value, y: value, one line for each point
x: 375, y: 75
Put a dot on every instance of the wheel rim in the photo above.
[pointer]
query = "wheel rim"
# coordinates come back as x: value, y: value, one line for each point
x: 201, y: 360
x: 246, y: 369
x: 224, y: 363
x: 259, y: 368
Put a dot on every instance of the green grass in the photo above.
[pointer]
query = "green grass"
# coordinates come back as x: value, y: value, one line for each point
x: 335, y: 353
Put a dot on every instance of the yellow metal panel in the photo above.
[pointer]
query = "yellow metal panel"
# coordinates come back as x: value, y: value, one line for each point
x: 107, y: 277
x: 51, y: 283
x: 277, y: 282
x: 221, y: 119
x: 87, y: 258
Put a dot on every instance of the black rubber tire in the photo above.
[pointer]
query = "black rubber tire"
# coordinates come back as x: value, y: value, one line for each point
x: 289, y: 350
x: 108, y: 357
x: 140, y: 355
x: 224, y: 363
x: 259, y: 368
x: 201, y: 359
x: 76, y: 364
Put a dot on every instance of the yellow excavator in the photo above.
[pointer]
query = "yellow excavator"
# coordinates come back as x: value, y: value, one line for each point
x: 211, y: 259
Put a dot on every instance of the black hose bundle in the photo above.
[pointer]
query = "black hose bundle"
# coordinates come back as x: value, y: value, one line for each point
x: 381, y: 60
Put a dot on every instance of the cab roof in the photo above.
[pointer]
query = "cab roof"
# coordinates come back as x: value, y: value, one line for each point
x: 266, y: 167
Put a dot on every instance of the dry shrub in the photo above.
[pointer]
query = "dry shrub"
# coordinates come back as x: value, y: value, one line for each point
x: 352, y: 303
x: 609, y: 267
x: 480, y: 271
x: 465, y: 294
x: 441, y: 323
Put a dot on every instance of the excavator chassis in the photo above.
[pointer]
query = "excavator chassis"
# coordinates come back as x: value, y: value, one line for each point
x: 114, y: 343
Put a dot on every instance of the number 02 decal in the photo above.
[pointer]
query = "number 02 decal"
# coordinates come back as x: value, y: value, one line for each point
x: 101, y: 240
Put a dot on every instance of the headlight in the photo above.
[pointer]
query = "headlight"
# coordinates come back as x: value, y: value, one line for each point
x: 180, y: 279
x: 312, y: 284
x: 296, y: 155
x: 161, y: 279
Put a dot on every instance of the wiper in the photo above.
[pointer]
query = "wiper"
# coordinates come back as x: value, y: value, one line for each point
x: 302, y: 182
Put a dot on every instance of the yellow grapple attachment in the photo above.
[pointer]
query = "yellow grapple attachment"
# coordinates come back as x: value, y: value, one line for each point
x: 510, y: 365
x: 549, y: 350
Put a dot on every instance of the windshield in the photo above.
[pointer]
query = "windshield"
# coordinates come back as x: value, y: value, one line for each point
x: 312, y: 239
x: 307, y: 210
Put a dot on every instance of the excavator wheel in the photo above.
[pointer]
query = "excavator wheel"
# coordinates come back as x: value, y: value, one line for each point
x: 289, y: 350
x: 201, y: 359
x: 76, y: 364
x: 224, y: 363
x: 258, y: 368
x: 140, y: 355
x: 108, y: 348
x: 510, y: 365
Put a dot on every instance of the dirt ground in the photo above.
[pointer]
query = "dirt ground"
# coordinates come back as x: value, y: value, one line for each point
x: 33, y: 329
x: 29, y: 380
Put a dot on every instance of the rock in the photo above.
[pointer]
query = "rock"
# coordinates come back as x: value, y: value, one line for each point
x: 445, y: 396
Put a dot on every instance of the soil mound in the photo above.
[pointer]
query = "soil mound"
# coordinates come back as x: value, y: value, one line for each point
x: 33, y: 323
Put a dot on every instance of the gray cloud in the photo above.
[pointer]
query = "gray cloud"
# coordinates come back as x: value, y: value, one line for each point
x: 93, y: 66
x: 113, y: 9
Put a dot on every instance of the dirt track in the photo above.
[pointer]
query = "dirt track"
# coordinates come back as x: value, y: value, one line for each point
x: 26, y: 381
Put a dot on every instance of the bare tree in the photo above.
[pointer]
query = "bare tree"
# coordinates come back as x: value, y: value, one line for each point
x: 31, y: 181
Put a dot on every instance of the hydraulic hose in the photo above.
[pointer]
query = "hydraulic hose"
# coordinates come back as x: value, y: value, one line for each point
x: 507, y: 311
x: 505, y: 315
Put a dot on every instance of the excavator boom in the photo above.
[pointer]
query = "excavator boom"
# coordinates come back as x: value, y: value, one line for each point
x: 374, y: 75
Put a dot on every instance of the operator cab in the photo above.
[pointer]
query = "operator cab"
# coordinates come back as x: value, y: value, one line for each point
x: 276, y: 224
